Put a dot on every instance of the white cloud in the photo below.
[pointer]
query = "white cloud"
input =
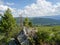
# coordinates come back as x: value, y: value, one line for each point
x: 41, y: 8
x: 4, y: 8
x: 10, y: 3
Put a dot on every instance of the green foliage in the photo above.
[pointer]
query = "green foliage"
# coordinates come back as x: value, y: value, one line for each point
x: 56, y: 30
x: 27, y: 23
x: 48, y: 34
x: 30, y: 24
x: 8, y: 26
x: 44, y: 35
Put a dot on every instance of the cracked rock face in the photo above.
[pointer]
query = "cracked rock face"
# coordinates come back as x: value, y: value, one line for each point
x: 22, y: 37
x: 12, y: 42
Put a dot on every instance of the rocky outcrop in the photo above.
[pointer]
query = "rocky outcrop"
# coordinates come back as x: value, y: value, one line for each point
x: 22, y: 37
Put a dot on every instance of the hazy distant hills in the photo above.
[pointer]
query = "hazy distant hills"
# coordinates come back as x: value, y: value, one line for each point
x: 57, y: 17
x: 41, y: 21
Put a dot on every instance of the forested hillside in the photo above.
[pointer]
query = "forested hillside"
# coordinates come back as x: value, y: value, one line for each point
x: 40, y: 21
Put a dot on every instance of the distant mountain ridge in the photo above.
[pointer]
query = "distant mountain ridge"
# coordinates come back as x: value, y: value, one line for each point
x: 46, y: 20
x: 41, y: 21
x: 57, y: 17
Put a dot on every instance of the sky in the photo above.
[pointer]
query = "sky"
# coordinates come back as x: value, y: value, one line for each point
x: 31, y: 8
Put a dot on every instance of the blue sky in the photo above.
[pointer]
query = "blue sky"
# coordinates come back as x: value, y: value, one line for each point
x: 54, y: 1
x: 22, y: 3
x: 31, y: 8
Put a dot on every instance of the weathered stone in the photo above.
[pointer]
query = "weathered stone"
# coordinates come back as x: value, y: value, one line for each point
x: 12, y: 42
